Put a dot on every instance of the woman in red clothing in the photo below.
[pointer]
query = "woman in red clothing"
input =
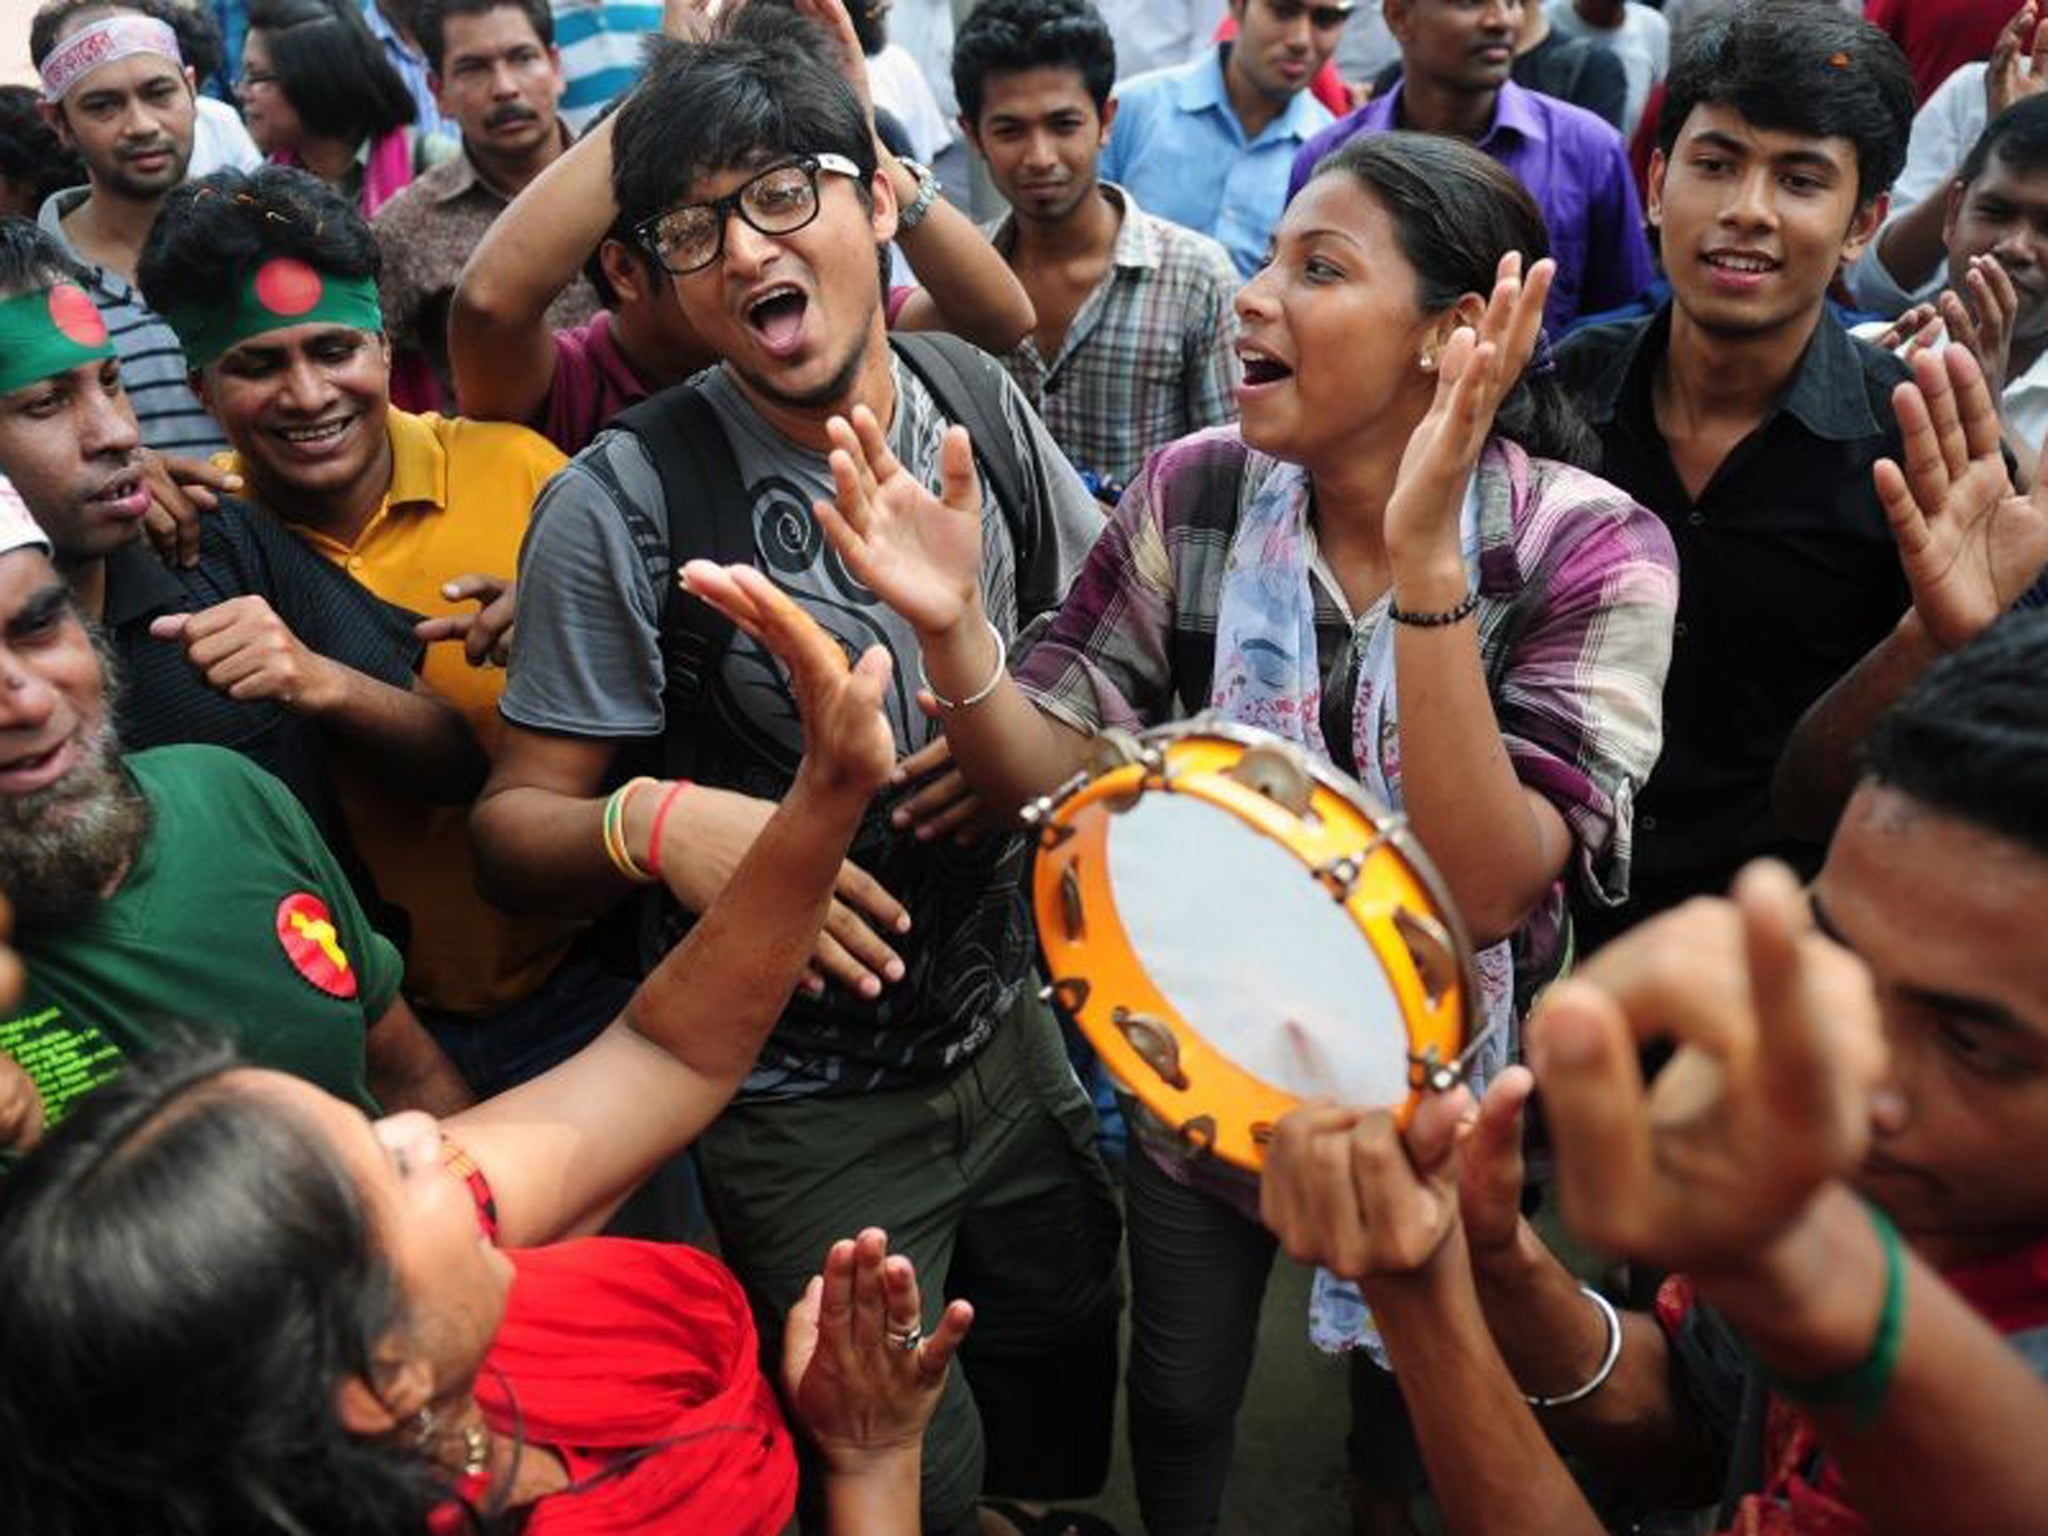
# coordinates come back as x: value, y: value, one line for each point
x: 231, y: 1303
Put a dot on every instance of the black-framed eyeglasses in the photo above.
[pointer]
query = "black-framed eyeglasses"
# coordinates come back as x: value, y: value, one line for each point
x: 779, y: 201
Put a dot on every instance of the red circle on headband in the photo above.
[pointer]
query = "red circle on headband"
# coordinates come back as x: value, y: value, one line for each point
x: 287, y: 286
x: 75, y: 315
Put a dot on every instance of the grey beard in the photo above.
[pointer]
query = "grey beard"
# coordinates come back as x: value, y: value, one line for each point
x: 61, y: 847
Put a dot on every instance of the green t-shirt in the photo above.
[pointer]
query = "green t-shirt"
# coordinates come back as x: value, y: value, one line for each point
x: 235, y: 919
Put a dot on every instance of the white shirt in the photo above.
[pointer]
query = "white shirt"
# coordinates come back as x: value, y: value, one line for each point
x: 900, y: 88
x: 924, y: 29
x: 1944, y: 128
x: 220, y: 142
x: 1642, y: 42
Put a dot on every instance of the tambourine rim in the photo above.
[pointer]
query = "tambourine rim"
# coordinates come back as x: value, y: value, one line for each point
x: 1389, y: 826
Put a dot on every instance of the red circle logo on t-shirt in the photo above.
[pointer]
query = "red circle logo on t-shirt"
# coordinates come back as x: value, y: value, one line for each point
x: 306, y: 930
x: 287, y: 286
x: 76, y: 317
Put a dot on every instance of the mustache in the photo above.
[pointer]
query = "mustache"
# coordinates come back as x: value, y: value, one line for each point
x: 502, y: 116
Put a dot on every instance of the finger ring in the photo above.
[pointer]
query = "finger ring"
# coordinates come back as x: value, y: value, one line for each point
x: 905, y: 1339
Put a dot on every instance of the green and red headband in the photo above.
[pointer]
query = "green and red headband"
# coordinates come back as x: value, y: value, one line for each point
x: 282, y: 292
x: 48, y: 332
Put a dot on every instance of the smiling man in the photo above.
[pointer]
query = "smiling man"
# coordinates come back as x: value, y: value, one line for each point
x: 1748, y: 420
x: 497, y: 74
x: 270, y: 280
x: 119, y: 95
x: 260, y: 646
x: 1209, y: 144
x: 750, y: 172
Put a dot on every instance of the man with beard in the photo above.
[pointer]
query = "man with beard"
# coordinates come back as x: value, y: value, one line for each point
x: 1134, y: 341
x: 119, y: 95
x: 497, y: 74
x: 174, y: 888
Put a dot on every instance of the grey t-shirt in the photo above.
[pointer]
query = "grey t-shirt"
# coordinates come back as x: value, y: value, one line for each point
x: 587, y: 661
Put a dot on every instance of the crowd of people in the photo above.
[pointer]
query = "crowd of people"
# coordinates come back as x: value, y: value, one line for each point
x: 545, y: 546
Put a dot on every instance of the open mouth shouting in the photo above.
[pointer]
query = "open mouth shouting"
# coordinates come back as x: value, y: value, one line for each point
x: 28, y: 772
x: 1262, y: 370
x: 775, y: 314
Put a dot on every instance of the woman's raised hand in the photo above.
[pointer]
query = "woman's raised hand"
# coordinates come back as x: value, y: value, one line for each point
x: 848, y: 745
x: 920, y: 553
x: 1476, y: 369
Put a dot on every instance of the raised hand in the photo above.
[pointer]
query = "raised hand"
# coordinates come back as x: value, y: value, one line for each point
x: 856, y: 1390
x: 1766, y: 1101
x: 1475, y: 371
x: 848, y: 746
x: 920, y: 553
x: 1350, y: 1190
x: 847, y: 55
x: 486, y: 635
x: 2018, y: 66
x: 1969, y: 543
x: 1985, y: 324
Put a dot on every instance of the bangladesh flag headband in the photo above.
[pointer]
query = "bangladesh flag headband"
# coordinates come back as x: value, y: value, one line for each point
x: 48, y: 332
x: 284, y: 291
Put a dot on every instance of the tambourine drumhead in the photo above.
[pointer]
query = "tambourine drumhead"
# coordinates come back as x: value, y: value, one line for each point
x: 1236, y: 929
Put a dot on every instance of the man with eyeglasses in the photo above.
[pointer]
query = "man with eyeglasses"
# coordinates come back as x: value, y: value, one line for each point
x: 1209, y: 144
x: 916, y: 1078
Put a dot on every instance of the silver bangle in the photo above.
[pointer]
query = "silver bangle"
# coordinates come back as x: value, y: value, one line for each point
x: 994, y: 679
x: 1599, y: 1379
x: 910, y: 215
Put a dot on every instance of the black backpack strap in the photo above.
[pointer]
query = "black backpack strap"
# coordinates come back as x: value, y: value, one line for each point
x: 708, y: 519
x: 969, y: 386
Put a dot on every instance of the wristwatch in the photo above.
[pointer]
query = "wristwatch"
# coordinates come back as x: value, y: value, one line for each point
x: 912, y: 214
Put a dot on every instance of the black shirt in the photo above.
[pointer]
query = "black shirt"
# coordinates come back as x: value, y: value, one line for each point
x: 1787, y: 575
x: 242, y: 553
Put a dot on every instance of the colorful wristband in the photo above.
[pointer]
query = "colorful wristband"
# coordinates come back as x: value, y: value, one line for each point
x: 1864, y: 1386
x: 660, y: 816
x: 614, y: 830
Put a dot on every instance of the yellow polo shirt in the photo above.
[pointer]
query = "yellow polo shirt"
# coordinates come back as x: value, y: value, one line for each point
x: 461, y: 493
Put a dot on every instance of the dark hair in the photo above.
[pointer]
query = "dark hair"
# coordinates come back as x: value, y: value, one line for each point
x: 1798, y: 67
x: 1011, y: 36
x: 187, y: 1274
x: 1970, y: 738
x: 734, y: 101
x: 331, y: 68
x: 430, y: 23
x: 211, y: 233
x: 30, y: 151
x: 2018, y: 136
x: 32, y: 258
x: 1456, y: 212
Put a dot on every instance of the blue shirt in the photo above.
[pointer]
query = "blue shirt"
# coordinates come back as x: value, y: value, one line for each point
x: 412, y: 67
x: 1178, y: 146
x: 601, y: 44
x: 1575, y: 166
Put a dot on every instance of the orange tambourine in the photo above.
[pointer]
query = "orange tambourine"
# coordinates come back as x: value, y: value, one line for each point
x: 1236, y: 928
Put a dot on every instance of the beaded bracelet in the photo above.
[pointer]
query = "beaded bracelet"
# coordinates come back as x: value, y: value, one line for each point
x: 1449, y: 616
x: 614, y: 829
x: 1864, y: 1386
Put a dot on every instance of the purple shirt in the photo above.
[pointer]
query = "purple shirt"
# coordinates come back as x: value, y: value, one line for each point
x: 1574, y: 165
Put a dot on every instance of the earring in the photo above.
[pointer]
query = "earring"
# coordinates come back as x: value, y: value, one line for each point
x: 1427, y: 359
